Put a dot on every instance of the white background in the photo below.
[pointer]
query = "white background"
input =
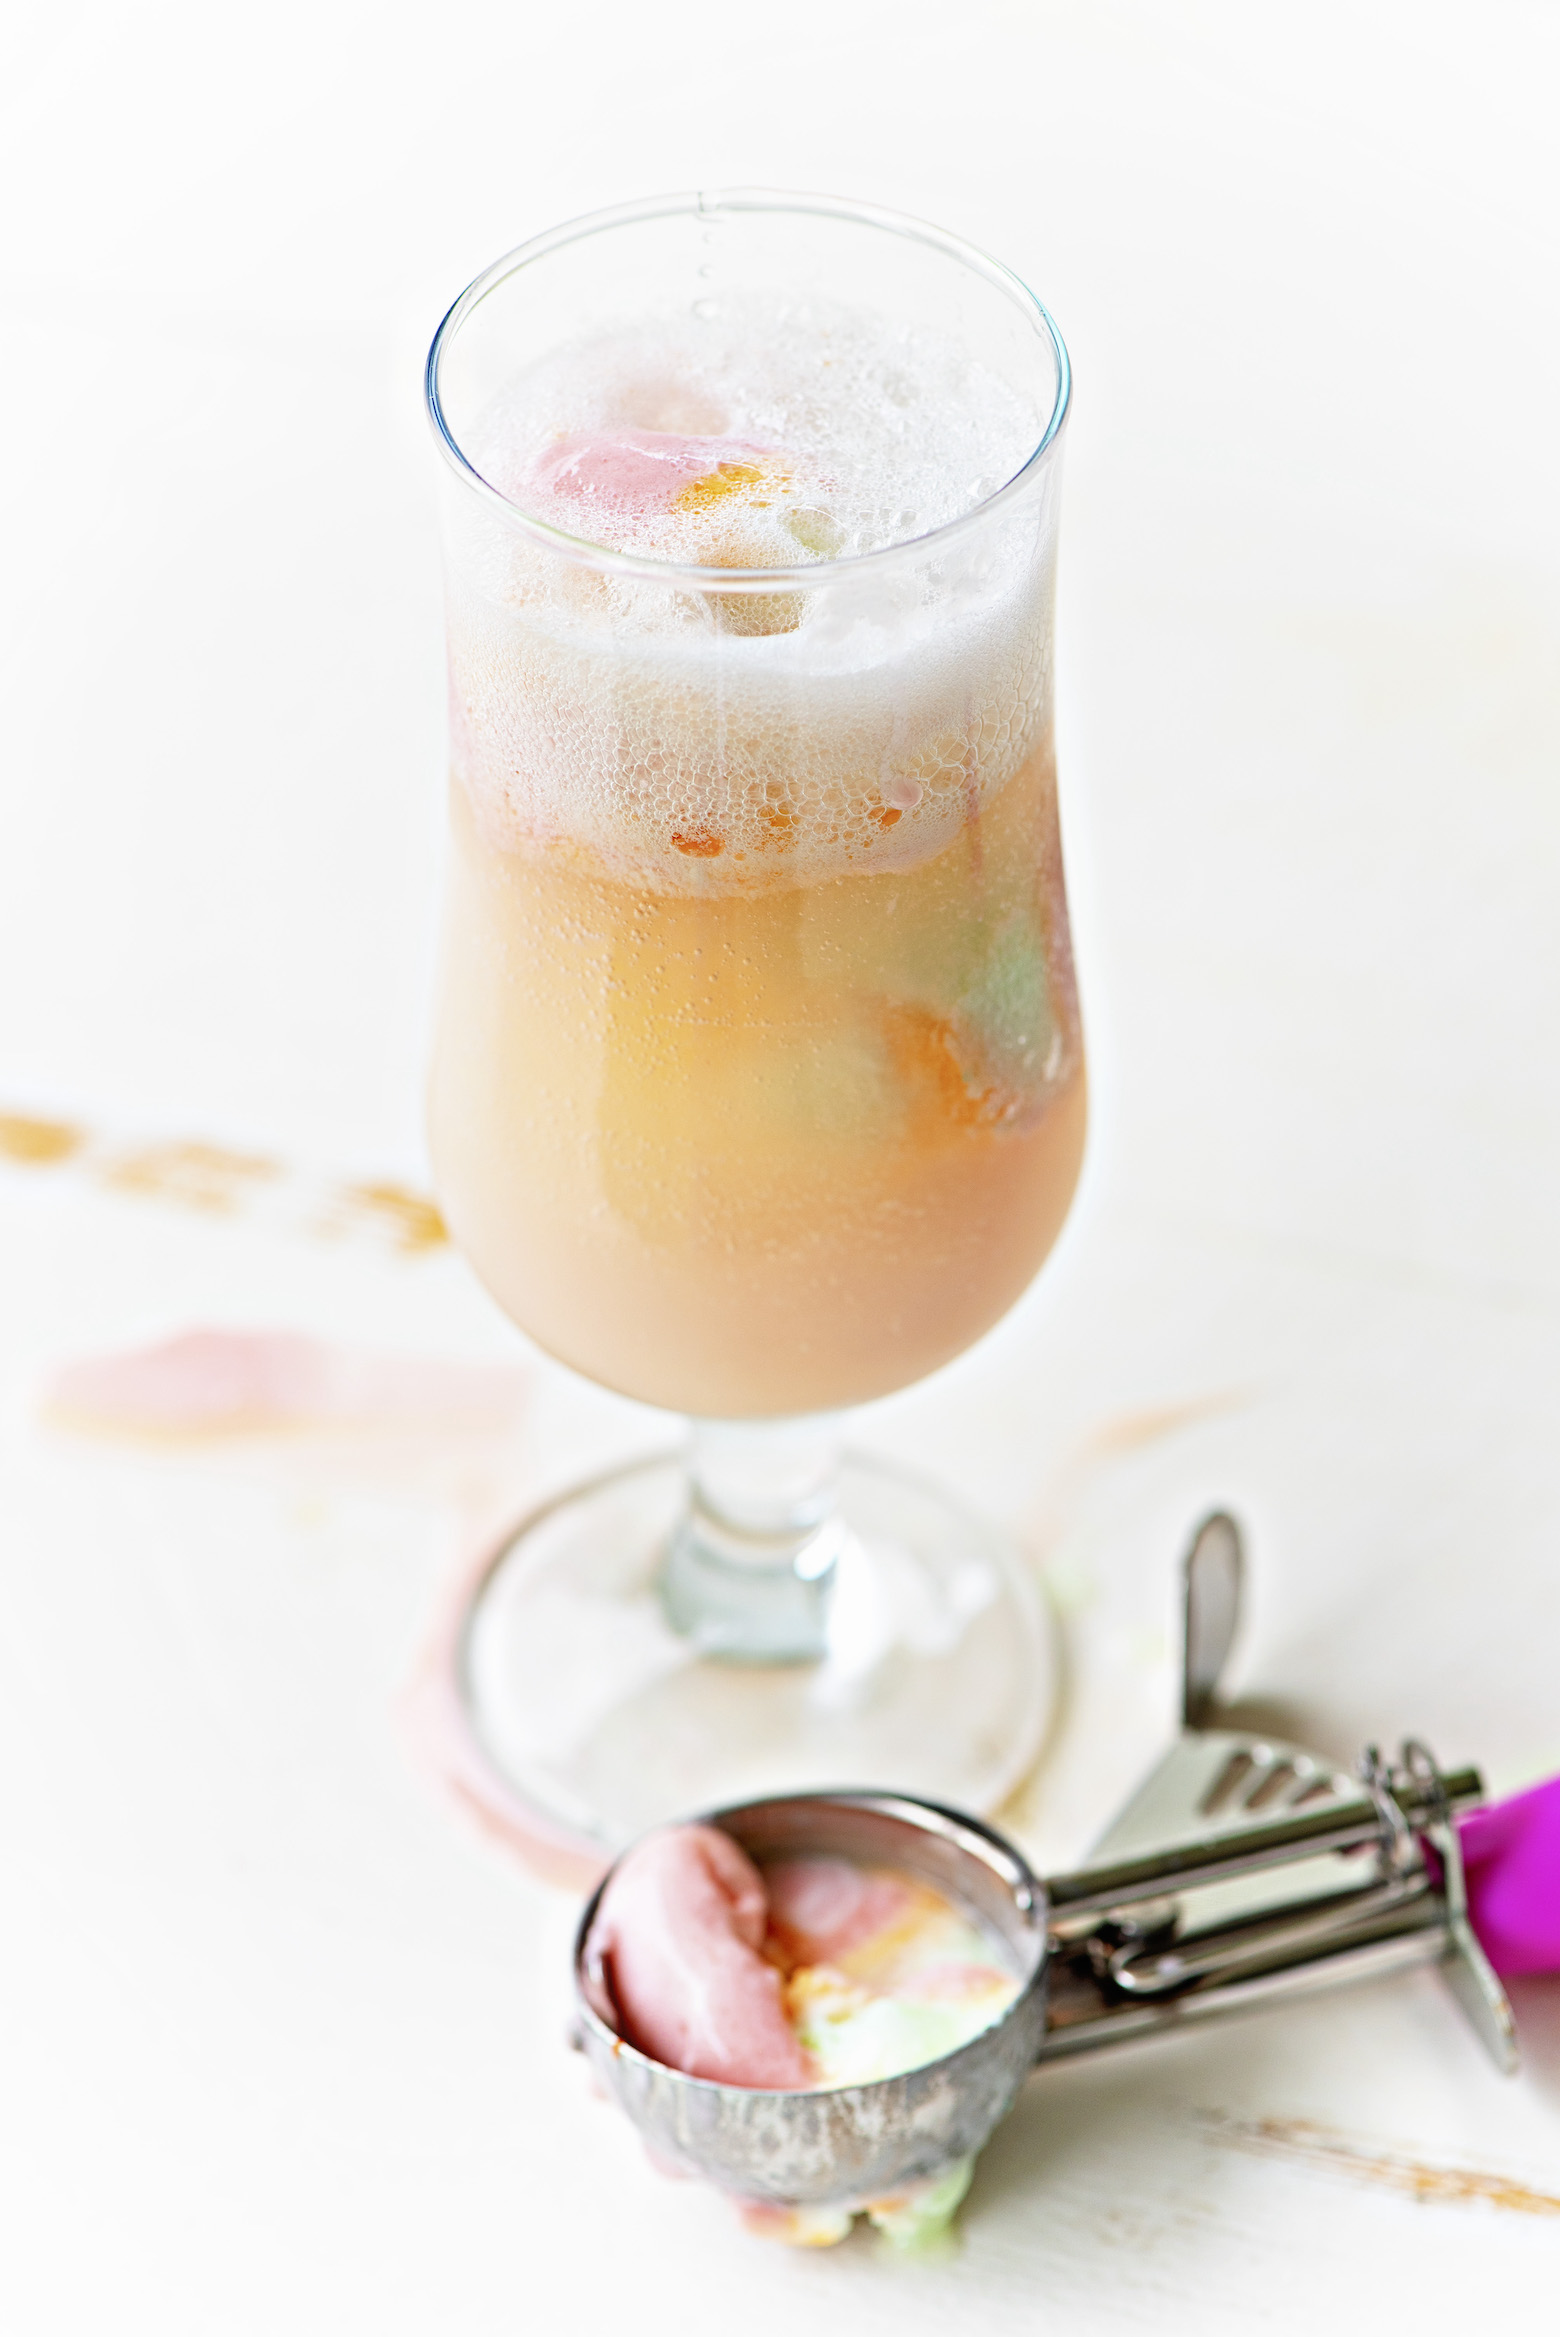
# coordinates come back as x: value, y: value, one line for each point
x: 284, y: 2049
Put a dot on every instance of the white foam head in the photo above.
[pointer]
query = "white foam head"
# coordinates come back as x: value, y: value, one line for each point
x: 827, y: 433
x: 700, y: 739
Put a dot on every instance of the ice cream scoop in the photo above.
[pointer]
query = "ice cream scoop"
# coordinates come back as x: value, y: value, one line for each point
x: 1120, y: 1950
x: 1243, y: 1869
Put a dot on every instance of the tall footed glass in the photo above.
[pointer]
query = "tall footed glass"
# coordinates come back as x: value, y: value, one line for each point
x: 758, y: 1087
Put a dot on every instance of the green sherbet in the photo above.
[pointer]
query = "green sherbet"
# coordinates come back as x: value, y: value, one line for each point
x: 1007, y: 1006
x: 858, y: 2044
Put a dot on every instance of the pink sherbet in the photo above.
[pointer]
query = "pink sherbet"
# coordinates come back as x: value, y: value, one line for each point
x: 821, y: 1908
x: 1512, y: 1857
x: 676, y: 1942
x: 635, y: 470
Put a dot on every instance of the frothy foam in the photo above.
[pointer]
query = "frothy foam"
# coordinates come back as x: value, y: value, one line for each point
x: 700, y: 742
x: 839, y: 432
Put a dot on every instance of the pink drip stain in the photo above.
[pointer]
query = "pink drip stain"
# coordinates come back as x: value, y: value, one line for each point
x: 437, y: 1730
x: 415, y: 1426
x: 213, y: 1383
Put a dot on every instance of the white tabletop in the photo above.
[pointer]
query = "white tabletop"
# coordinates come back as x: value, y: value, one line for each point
x: 284, y: 2030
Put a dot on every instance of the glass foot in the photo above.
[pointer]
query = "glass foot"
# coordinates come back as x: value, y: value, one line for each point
x: 938, y: 1675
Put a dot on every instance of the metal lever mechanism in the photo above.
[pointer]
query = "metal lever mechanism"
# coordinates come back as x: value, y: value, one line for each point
x: 1245, y: 1869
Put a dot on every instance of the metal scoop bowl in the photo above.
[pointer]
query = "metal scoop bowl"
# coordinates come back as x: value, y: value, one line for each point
x: 846, y: 2144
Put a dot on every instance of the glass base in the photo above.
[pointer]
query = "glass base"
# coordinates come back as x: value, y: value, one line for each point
x: 938, y: 1676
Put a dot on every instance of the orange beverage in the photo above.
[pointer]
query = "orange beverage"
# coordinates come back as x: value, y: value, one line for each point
x: 743, y: 1153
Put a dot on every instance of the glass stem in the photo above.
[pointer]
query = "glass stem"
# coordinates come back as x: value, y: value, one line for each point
x: 751, y: 1563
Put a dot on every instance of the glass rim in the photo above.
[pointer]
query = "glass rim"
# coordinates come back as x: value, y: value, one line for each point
x: 709, y: 203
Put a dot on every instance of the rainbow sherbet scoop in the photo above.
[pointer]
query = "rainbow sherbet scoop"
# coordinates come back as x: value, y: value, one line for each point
x: 810, y: 1972
x: 805, y: 1974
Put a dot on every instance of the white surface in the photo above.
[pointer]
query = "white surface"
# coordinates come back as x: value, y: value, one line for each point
x: 284, y: 2047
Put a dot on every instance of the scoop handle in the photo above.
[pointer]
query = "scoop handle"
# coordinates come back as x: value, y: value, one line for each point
x: 1313, y: 1897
